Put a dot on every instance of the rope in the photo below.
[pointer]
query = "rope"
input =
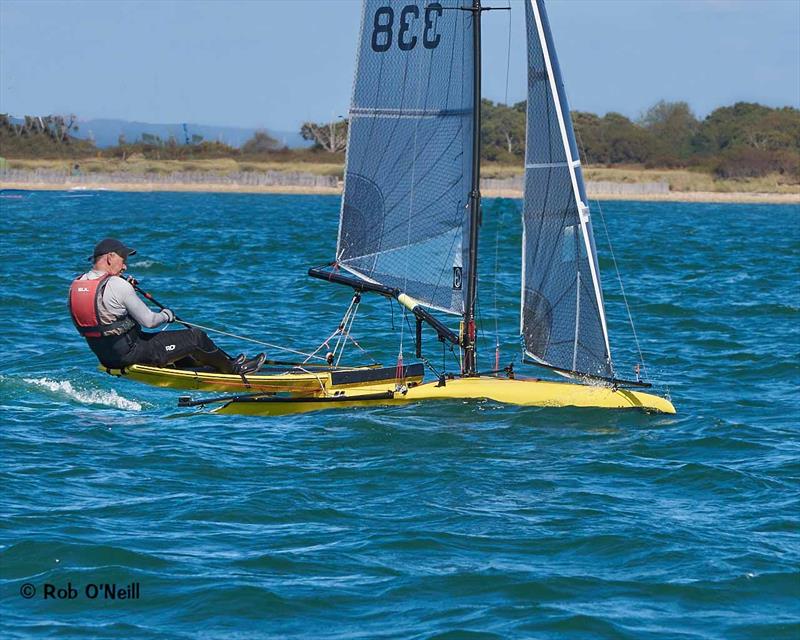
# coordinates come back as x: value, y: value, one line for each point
x: 326, y: 342
x: 253, y: 340
x: 622, y: 289
x: 430, y: 366
x: 347, y: 328
x: 508, y: 52
x: 499, y: 222
x: 319, y: 380
x: 616, y: 271
x: 363, y: 350
x: 494, y: 293
x: 343, y: 331
x: 400, y: 352
x: 319, y: 348
x: 343, y: 326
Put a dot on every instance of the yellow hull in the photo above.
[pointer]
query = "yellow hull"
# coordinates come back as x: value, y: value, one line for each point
x: 292, y: 382
x: 520, y: 392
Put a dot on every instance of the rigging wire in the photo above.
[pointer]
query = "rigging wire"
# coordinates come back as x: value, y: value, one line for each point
x: 508, y: 52
x: 253, y: 340
x: 340, y: 330
x: 348, y: 328
x: 617, y: 272
x: 498, y: 222
x: 343, y: 333
x: 622, y: 289
x: 325, y: 343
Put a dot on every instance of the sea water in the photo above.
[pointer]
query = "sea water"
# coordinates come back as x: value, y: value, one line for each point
x: 452, y: 519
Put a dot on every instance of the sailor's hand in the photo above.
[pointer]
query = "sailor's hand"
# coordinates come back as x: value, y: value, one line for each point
x: 132, y: 280
x: 170, y: 315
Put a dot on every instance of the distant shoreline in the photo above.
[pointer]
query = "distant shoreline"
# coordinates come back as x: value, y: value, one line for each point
x: 672, y: 196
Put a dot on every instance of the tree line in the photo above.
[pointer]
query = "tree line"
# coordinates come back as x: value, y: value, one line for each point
x: 39, y: 136
x: 743, y: 140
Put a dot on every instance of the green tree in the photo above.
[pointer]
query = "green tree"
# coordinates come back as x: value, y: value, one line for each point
x: 673, y: 126
x: 592, y: 141
x: 42, y: 137
x: 331, y: 136
x: 502, y: 131
x: 748, y: 124
x: 612, y: 139
x: 261, y: 142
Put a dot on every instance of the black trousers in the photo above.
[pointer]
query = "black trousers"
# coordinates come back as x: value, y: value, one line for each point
x: 161, y: 348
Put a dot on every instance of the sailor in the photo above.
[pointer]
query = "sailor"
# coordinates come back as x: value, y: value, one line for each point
x: 107, y: 312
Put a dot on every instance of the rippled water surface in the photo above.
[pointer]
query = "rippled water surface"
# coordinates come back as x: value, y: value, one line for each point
x: 436, y: 520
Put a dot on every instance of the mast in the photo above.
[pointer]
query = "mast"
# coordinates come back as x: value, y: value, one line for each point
x: 474, y: 198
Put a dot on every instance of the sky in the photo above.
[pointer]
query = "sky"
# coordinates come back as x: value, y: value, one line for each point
x: 278, y: 63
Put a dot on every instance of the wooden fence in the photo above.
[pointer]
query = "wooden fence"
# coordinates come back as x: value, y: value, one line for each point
x: 515, y: 185
x: 511, y: 186
x: 240, y: 178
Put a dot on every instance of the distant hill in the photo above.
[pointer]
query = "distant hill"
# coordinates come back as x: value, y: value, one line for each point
x: 106, y: 132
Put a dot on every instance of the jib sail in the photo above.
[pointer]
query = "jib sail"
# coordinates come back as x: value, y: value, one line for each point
x: 563, y: 319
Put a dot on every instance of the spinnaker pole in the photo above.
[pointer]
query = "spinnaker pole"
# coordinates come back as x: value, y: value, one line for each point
x: 468, y: 344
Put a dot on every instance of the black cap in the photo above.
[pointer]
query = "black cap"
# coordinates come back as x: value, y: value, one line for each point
x: 110, y: 245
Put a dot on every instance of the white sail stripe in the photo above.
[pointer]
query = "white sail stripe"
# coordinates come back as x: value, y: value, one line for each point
x: 397, y: 116
x: 573, y: 176
x: 357, y: 112
x: 552, y: 165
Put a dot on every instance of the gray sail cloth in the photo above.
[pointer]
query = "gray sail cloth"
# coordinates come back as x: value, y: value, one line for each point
x: 405, y: 217
x: 563, y: 319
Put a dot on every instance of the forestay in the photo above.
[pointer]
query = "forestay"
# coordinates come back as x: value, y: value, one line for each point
x: 563, y: 319
x: 404, y: 214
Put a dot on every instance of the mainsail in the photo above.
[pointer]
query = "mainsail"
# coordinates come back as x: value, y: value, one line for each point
x: 563, y: 319
x: 404, y: 219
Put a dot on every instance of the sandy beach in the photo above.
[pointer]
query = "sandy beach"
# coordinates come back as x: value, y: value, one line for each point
x: 672, y: 196
x: 174, y: 187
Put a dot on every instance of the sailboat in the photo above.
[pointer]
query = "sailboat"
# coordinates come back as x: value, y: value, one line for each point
x: 409, y: 229
x: 411, y: 209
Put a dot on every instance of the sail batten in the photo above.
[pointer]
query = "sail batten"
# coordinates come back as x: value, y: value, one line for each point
x: 563, y: 320
x: 409, y: 113
x: 403, y: 221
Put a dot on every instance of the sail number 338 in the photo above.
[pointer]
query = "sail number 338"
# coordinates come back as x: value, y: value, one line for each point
x: 383, y: 28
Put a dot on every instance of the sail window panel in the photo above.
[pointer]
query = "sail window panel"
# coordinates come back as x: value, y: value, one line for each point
x: 404, y: 221
x: 561, y: 320
x: 570, y: 244
x: 411, y: 261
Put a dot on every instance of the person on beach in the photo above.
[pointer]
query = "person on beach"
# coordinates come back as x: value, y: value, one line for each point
x: 107, y: 312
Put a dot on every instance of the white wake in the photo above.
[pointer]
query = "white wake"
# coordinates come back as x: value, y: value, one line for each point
x: 89, y: 396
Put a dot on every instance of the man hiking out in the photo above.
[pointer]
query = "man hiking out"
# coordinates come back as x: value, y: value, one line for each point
x: 107, y: 312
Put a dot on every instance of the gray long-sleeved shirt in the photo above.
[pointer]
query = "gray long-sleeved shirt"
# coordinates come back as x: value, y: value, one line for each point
x: 119, y: 299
